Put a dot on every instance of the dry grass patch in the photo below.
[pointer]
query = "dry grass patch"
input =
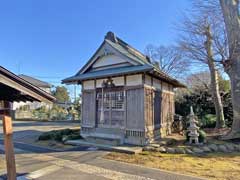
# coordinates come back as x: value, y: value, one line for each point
x: 212, y: 166
x: 2, y: 163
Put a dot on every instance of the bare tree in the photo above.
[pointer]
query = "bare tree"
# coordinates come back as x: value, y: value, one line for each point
x: 199, y: 80
x: 203, y: 42
x: 168, y: 59
x: 231, y: 13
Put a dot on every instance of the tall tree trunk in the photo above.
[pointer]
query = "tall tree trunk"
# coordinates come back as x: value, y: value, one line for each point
x: 214, y: 80
x: 230, y: 10
x: 216, y: 96
x: 235, y: 92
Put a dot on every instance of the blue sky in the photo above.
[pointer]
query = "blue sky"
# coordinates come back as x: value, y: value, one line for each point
x: 52, y: 39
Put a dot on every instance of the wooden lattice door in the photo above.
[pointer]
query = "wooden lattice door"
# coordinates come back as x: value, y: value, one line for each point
x: 111, y: 104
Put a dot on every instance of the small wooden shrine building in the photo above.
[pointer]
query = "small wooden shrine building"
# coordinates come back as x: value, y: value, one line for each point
x: 124, y: 97
x: 15, y: 89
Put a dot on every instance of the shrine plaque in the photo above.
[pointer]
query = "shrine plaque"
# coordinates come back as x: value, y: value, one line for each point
x: 7, y: 125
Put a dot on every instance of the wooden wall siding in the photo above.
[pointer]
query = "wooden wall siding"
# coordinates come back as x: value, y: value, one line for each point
x: 156, y: 83
x: 153, y: 103
x: 164, y: 108
x: 157, y: 98
x: 148, y: 107
x: 135, y: 109
x: 167, y: 111
x: 172, y: 107
x: 88, y: 84
x: 88, y: 108
x: 165, y: 86
x: 133, y: 80
x: 148, y: 80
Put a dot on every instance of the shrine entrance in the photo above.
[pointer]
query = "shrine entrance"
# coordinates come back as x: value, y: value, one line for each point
x: 110, y: 107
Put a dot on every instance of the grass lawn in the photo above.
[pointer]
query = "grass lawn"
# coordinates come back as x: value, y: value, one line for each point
x: 212, y: 166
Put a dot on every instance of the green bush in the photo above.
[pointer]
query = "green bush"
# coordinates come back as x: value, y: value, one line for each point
x: 74, y: 137
x: 57, y: 135
x: 203, y: 105
x: 45, y: 136
x: 208, y: 121
x: 201, y: 137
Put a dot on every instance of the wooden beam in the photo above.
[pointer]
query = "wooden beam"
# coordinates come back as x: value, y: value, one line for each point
x: 13, y: 84
x: 8, y: 143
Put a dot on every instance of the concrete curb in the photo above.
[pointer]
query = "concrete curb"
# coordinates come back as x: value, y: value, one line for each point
x: 123, y: 149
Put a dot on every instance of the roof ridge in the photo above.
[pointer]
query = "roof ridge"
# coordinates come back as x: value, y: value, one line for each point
x: 135, y: 52
x: 131, y: 48
x: 115, y: 39
x: 35, y: 79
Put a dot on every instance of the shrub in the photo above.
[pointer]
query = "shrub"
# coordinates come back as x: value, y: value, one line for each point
x: 74, y: 137
x: 58, y: 135
x: 201, y: 137
x: 208, y: 121
x: 203, y: 105
x: 45, y: 136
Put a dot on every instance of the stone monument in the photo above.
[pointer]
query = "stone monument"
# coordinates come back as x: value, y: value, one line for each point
x: 193, y: 128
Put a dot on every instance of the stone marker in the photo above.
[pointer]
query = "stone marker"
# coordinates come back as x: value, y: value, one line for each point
x: 197, y: 150
x: 213, y: 147
x: 237, y: 147
x: 188, y: 151
x: 155, y: 145
x: 230, y: 147
x: 223, y: 148
x: 206, y: 149
x: 170, y: 150
x: 180, y: 150
x: 162, y: 150
x: 149, y: 148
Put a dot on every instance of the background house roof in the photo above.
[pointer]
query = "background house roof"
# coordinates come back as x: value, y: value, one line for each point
x: 14, y: 88
x: 35, y: 81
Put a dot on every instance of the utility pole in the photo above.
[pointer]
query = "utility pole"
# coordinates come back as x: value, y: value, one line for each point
x: 75, y: 93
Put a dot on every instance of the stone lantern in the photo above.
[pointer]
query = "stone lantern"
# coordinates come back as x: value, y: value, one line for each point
x: 193, y: 128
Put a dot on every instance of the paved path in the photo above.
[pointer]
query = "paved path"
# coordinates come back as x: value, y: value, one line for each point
x: 80, y: 163
x: 28, y: 131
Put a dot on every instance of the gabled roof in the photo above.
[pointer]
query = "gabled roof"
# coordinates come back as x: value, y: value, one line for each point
x: 35, y: 82
x: 143, y: 64
x: 14, y: 88
x: 109, y: 72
